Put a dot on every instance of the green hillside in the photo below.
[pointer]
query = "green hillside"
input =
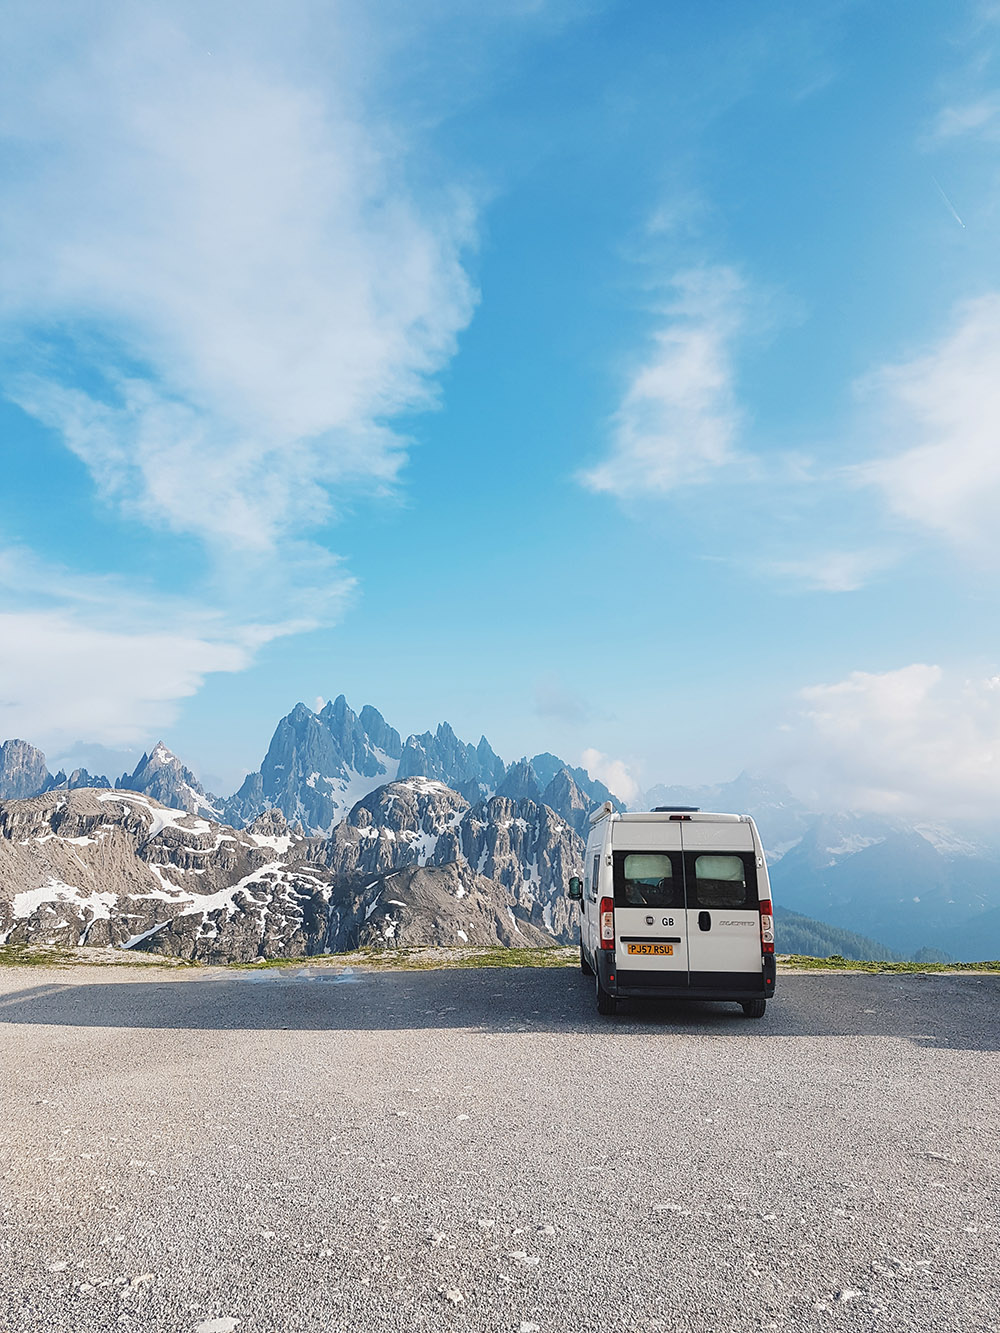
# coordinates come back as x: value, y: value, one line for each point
x: 803, y: 935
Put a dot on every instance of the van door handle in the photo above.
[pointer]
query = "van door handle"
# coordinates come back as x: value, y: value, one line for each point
x: 704, y: 920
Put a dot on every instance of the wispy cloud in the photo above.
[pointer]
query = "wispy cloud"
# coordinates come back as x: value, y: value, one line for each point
x: 62, y: 679
x: 227, y: 274
x: 979, y: 117
x: 831, y: 571
x: 679, y: 420
x: 938, y: 417
x: 94, y: 658
x: 917, y: 740
x: 250, y: 287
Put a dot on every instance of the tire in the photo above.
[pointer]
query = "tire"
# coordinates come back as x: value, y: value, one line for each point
x: 754, y: 1008
x: 585, y: 967
x: 606, y: 1003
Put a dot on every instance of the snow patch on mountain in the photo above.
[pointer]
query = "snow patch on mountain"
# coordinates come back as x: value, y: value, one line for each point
x: 849, y: 844
x: 160, y: 817
x: 948, y: 842
x: 55, y: 894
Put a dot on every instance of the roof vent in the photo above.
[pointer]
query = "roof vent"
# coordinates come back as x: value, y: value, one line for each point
x: 676, y: 809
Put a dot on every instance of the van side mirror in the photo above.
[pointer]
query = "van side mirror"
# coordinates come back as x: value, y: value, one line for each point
x: 576, y: 888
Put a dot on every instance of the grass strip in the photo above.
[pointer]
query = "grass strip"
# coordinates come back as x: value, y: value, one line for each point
x: 54, y: 955
x: 424, y: 958
x: 427, y: 958
x: 797, y: 962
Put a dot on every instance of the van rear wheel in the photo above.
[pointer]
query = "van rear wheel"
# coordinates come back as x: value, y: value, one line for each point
x: 606, y: 1003
x: 754, y: 1008
x: 585, y: 967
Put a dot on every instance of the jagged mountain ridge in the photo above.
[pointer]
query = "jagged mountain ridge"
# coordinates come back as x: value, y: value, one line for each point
x: 414, y: 863
x: 892, y: 883
x: 319, y: 764
x: 23, y: 771
x: 107, y: 867
x: 473, y: 770
x: 525, y: 847
x: 927, y: 887
x: 161, y: 775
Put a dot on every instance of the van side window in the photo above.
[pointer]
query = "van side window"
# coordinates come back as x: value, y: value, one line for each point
x: 648, y: 879
x: 596, y: 875
x: 722, y: 881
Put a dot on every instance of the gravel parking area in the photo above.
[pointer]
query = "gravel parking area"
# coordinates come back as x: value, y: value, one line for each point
x: 478, y: 1150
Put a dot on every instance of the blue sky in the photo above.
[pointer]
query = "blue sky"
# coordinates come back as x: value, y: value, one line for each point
x: 616, y: 379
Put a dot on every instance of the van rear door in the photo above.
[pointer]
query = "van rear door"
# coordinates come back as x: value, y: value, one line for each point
x: 723, y: 916
x: 650, y: 919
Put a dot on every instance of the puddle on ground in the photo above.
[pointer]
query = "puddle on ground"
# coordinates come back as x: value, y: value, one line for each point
x: 326, y: 975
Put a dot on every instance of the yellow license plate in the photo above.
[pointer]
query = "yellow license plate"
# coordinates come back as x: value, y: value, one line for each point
x: 660, y: 950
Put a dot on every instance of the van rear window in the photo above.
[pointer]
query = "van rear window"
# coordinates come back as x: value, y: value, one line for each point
x: 722, y: 881
x: 648, y: 879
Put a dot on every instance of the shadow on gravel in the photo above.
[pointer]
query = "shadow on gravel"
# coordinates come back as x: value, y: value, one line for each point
x: 938, y: 1013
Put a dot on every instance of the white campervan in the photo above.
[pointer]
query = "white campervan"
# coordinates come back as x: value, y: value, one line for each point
x: 676, y: 903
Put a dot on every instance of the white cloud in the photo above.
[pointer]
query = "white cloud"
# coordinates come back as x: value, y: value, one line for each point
x: 940, y: 430
x: 612, y: 772
x: 227, y: 270
x: 91, y: 658
x: 61, y: 679
x: 230, y: 243
x: 831, y: 571
x: 679, y: 419
x: 979, y: 117
x: 917, y: 740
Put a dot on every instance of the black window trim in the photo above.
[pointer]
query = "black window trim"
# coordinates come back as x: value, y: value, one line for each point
x: 618, y: 876
x: 749, y: 860
x: 682, y: 861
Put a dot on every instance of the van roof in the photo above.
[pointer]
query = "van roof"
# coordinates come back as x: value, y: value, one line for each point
x: 665, y: 816
x: 696, y: 817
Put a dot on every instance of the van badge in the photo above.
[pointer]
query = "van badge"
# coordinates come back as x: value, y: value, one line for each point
x: 649, y: 920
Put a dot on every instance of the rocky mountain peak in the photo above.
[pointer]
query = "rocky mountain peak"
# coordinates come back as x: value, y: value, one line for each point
x: 563, y: 795
x: 527, y: 850
x: 407, y: 823
x: 475, y: 769
x: 78, y: 778
x: 272, y: 823
x: 546, y: 767
x: 319, y: 765
x: 489, y: 760
x: 161, y: 775
x: 520, y: 783
x: 410, y: 803
x: 22, y: 770
x: 378, y: 731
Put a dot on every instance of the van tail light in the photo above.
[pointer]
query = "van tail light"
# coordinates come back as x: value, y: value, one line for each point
x: 766, y: 926
x: 607, y: 923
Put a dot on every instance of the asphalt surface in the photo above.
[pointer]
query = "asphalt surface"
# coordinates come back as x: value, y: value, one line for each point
x: 479, y: 1150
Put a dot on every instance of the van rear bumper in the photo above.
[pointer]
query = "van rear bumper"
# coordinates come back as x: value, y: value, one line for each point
x: 693, y: 986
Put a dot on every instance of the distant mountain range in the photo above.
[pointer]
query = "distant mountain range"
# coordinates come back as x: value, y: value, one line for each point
x: 342, y: 781
x: 102, y: 867
x: 319, y: 765
x: 914, y: 886
x: 413, y: 864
